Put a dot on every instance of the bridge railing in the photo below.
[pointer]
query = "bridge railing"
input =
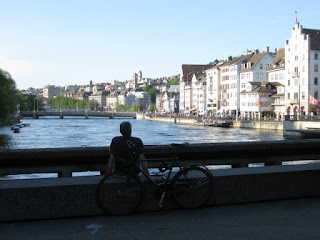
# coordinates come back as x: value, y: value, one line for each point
x: 65, y: 161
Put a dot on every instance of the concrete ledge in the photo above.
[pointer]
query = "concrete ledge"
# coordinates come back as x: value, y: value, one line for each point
x: 72, y: 197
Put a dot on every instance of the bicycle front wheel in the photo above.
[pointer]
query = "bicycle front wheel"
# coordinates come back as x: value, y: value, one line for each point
x: 119, y: 195
x: 192, y: 187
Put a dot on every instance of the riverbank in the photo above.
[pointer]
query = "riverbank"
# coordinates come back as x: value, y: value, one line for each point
x: 266, y: 125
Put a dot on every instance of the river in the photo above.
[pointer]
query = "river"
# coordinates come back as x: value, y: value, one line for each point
x: 53, y: 132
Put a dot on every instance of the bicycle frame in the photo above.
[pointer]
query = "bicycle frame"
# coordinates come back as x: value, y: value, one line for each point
x: 165, y: 182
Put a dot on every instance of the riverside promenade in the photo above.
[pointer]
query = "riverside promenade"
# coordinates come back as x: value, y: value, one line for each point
x: 294, y: 219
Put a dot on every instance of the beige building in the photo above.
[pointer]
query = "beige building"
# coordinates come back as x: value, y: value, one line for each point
x: 51, y: 91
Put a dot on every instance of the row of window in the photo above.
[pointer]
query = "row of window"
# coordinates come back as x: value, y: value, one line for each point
x: 303, y: 95
x: 252, y: 104
x: 296, y: 82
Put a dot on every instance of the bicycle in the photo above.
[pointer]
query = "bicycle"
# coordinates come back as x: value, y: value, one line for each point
x: 190, y: 187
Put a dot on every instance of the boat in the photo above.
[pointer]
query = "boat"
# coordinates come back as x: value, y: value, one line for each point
x: 221, y: 124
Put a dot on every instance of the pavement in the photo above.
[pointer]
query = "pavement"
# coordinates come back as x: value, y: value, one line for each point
x: 286, y: 219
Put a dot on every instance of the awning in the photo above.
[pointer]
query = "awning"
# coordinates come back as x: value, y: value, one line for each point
x: 191, y: 110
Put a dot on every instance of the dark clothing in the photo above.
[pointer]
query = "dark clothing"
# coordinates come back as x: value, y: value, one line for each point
x: 126, y: 151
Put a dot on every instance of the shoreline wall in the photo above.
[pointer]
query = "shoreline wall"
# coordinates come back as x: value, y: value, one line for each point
x: 268, y: 125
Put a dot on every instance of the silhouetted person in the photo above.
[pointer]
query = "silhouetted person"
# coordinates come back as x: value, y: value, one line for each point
x: 126, y: 152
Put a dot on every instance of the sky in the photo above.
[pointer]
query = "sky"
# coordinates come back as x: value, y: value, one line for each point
x: 67, y: 42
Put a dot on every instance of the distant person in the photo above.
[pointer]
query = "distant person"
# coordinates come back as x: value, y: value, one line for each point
x: 126, y: 152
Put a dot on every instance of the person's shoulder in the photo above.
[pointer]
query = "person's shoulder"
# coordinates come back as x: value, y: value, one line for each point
x: 135, y: 139
x: 117, y: 139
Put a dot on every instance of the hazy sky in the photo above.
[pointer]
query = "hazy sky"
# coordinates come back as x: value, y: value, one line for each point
x: 63, y: 42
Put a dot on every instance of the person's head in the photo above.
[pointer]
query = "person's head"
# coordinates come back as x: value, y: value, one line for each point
x: 125, y: 129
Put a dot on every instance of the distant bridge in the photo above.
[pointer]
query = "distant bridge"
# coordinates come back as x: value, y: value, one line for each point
x: 86, y: 114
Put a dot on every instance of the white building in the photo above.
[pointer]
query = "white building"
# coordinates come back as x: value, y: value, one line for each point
x: 229, y: 85
x: 302, y: 70
x: 256, y: 100
x: 186, y: 91
x: 168, y: 100
x: 199, y: 92
x: 213, y: 77
x: 276, y: 73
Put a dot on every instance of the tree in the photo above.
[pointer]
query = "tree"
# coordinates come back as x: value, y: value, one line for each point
x: 153, y: 91
x: 30, y: 102
x: 175, y: 81
x: 152, y: 107
x: 8, y: 96
x: 70, y: 103
x: 137, y: 108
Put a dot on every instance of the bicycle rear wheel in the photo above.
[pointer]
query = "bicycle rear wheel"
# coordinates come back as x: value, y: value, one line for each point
x: 192, y: 186
x: 119, y: 195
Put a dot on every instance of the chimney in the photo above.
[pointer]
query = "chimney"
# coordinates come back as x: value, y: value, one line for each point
x: 275, y: 50
x: 267, y: 49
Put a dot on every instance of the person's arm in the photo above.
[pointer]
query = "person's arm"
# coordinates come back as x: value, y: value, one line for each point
x: 143, y: 163
x: 110, y: 164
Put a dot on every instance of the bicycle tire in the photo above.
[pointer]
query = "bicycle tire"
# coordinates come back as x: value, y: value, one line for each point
x: 119, y: 195
x: 192, y: 187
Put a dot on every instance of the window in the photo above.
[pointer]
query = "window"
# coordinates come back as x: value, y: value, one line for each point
x: 316, y: 68
x: 296, y: 58
x: 272, y: 77
x: 303, y: 68
x: 281, y: 76
x: 316, y: 94
x: 315, y: 81
x: 303, y: 95
x: 295, y: 95
x: 261, y: 66
x: 257, y: 75
x: 296, y: 82
x: 316, y: 56
x: 261, y: 75
x: 288, y: 82
x: 276, y: 77
x: 288, y: 95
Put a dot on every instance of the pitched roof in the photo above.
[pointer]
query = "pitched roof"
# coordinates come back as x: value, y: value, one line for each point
x: 242, y: 58
x: 187, y: 69
x: 278, y: 61
x: 253, y: 60
x: 315, y: 37
x: 262, y: 88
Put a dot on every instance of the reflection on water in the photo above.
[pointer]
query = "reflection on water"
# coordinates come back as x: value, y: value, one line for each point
x: 52, y: 132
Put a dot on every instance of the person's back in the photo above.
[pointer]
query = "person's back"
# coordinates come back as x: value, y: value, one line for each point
x: 126, y: 151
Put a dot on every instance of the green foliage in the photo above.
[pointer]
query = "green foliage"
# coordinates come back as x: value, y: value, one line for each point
x: 70, y: 103
x: 152, y: 107
x: 121, y: 107
x: 8, y: 96
x: 153, y: 91
x: 137, y: 108
x: 30, y: 102
x: 175, y: 81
